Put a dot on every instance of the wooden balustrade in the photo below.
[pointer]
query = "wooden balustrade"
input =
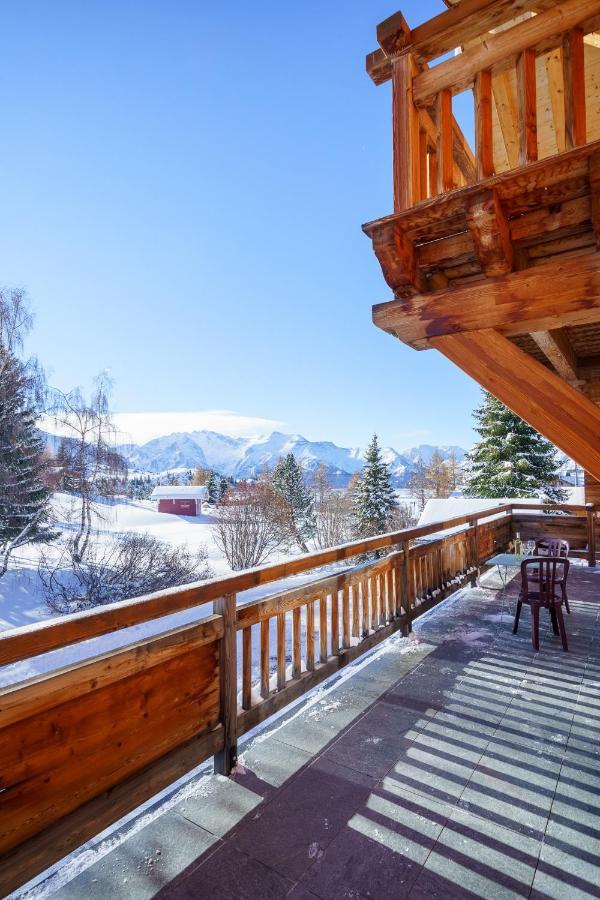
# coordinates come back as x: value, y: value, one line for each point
x: 84, y: 745
x: 431, y: 155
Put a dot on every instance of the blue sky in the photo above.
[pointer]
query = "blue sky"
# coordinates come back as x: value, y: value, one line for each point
x: 183, y: 189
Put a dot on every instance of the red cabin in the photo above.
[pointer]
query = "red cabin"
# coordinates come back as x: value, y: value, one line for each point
x: 180, y: 501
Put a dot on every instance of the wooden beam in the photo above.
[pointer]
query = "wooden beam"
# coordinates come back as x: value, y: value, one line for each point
x: 444, y: 141
x: 556, y: 409
x: 527, y: 106
x: 397, y: 258
x: 547, y: 297
x: 393, y: 34
x: 458, y: 73
x: 458, y: 26
x: 489, y: 229
x: 594, y: 167
x: 405, y: 132
x: 556, y: 346
x: 574, y: 83
x: 554, y: 73
x: 484, y: 138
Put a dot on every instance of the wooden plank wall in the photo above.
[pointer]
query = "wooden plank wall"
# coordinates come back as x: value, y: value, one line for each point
x: 69, y: 736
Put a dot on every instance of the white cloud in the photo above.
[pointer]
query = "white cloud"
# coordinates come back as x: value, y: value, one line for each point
x: 141, y: 427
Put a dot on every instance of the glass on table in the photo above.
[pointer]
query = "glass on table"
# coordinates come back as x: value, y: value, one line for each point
x: 528, y: 548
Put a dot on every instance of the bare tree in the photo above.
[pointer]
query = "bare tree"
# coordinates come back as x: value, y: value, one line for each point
x: 333, y: 511
x: 95, y: 468
x: 438, y: 476
x: 251, y: 524
x: 456, y: 473
x: 418, y: 483
x: 127, y: 565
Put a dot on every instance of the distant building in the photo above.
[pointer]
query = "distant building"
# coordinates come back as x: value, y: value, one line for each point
x: 180, y: 501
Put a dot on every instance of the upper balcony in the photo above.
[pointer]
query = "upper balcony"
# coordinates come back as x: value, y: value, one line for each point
x: 491, y: 252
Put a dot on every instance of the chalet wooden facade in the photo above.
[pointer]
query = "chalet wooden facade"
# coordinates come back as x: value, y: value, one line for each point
x: 492, y: 252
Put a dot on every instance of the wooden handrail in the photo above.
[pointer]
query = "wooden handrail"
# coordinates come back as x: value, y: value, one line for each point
x: 42, y: 637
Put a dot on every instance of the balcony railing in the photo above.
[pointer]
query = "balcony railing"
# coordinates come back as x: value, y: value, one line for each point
x: 83, y: 745
x: 526, y: 65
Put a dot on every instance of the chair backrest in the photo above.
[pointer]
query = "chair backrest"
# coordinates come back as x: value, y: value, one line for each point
x: 548, y: 546
x: 548, y: 570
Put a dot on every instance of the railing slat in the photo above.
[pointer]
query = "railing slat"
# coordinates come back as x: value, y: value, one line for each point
x: 444, y: 141
x: 346, y: 616
x: 527, y: 107
x: 247, y: 668
x: 335, y: 621
x: 310, y: 635
x: 264, y: 658
x: 484, y: 139
x: 296, y: 642
x: 323, y: 627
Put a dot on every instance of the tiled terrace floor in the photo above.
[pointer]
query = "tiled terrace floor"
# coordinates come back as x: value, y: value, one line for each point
x: 468, y: 766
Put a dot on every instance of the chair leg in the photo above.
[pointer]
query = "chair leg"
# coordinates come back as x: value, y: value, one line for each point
x: 552, y: 612
x: 535, y: 626
x: 561, y: 627
x: 517, y: 616
x: 566, y: 599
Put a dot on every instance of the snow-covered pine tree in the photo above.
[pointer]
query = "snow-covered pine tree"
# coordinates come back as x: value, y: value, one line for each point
x: 213, y: 485
x: 287, y: 479
x: 510, y: 459
x: 24, y: 496
x: 375, y: 499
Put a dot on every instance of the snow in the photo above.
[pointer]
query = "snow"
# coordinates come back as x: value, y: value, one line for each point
x: 178, y: 492
x: 438, y: 510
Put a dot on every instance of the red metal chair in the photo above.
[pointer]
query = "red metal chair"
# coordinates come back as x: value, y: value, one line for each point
x: 549, y: 546
x: 542, y: 588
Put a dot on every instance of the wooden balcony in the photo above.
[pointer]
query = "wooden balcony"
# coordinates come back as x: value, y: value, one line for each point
x: 85, y: 742
x: 457, y: 764
x: 492, y: 253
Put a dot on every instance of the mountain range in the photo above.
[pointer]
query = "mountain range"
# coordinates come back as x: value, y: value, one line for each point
x: 247, y: 457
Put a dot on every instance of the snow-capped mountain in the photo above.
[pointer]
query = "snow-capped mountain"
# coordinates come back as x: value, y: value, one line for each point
x: 247, y: 457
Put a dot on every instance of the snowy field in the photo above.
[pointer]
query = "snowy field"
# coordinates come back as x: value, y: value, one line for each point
x: 22, y: 601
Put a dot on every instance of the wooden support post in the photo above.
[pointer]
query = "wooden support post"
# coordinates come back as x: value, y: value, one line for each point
x: 398, y: 261
x: 591, y: 534
x: 247, y: 668
x: 574, y: 79
x: 226, y: 758
x: 527, y: 102
x: 444, y: 141
x: 405, y: 126
x: 433, y: 171
x: 484, y: 139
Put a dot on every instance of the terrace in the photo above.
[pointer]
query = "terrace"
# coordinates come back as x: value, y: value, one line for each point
x: 454, y: 756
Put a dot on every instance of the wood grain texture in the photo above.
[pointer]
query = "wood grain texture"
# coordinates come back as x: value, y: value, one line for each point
x: 558, y: 349
x: 527, y: 106
x: 490, y: 233
x: 574, y: 87
x: 445, y: 155
x: 405, y: 134
x: 517, y: 303
x: 542, y: 398
x: 59, y: 757
x: 484, y: 140
x: 227, y: 758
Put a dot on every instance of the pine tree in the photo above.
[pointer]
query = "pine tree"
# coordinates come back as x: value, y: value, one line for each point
x: 287, y: 479
x: 375, y: 499
x: 511, y: 459
x: 214, y: 488
x: 24, y: 496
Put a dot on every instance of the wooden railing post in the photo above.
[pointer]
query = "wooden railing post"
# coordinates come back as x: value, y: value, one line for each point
x: 474, y: 554
x: 407, y: 586
x: 226, y: 758
x: 591, y: 531
x: 484, y: 138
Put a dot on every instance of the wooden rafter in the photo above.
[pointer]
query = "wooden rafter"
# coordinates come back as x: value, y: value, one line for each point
x: 556, y: 409
x: 557, y: 348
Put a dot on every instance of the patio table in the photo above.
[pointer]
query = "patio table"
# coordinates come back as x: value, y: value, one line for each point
x: 505, y: 561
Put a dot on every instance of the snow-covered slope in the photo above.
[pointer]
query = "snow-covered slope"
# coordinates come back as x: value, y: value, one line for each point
x: 247, y: 457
